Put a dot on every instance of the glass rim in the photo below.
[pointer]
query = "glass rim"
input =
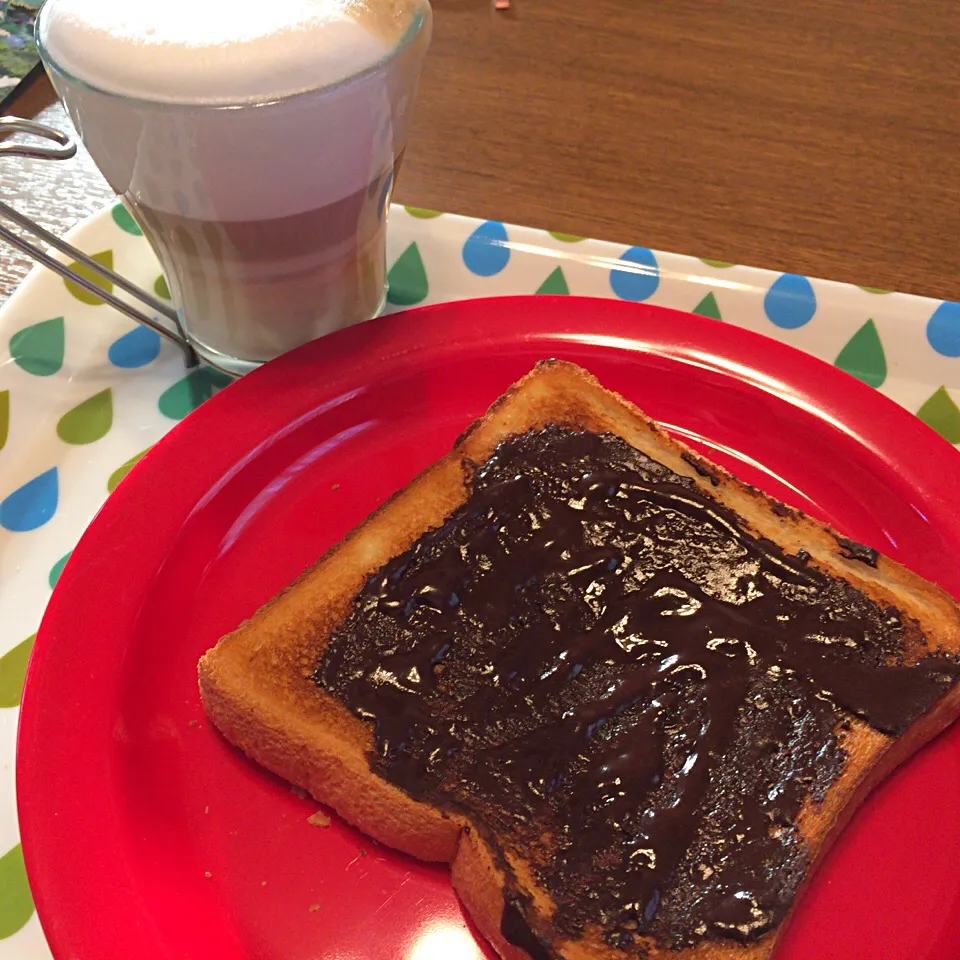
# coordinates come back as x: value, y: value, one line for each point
x: 50, y: 63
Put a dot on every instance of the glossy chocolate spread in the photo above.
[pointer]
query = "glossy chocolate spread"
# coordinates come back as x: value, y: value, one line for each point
x: 597, y: 663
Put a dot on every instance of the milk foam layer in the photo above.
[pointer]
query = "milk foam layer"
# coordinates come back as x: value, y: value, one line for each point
x: 219, y: 51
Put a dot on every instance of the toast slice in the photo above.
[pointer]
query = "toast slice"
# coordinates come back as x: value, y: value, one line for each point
x: 482, y: 768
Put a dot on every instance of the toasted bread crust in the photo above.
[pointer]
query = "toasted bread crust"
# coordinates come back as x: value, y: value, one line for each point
x: 254, y: 682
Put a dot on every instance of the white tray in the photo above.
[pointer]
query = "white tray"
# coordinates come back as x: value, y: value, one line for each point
x: 83, y: 391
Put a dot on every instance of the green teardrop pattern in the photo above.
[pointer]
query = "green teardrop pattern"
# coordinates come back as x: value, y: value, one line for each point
x: 422, y: 213
x: 407, y: 279
x: 877, y: 290
x: 188, y: 393
x: 105, y: 259
x: 555, y: 284
x: 708, y: 307
x: 57, y: 569
x: 124, y: 220
x: 719, y: 264
x: 566, y: 237
x: 88, y: 421
x: 4, y: 417
x: 13, y: 669
x: 160, y: 287
x: 16, y: 902
x: 38, y: 349
x: 114, y: 479
x: 863, y: 356
x: 942, y: 414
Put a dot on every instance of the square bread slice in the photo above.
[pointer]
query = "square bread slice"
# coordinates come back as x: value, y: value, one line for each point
x: 262, y: 687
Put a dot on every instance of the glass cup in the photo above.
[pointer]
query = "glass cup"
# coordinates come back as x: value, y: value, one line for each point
x: 268, y: 218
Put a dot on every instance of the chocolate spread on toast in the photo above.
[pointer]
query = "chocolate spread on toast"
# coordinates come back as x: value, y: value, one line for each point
x: 595, y: 661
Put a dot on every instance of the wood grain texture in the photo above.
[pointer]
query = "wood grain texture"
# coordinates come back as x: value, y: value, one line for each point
x: 819, y: 136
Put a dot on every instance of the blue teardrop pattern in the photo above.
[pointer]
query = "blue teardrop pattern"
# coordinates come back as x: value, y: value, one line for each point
x: 136, y: 348
x: 487, y: 250
x: 943, y: 329
x: 790, y: 302
x: 640, y: 280
x: 32, y: 505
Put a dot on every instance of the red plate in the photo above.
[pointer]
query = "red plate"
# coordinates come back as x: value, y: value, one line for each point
x: 147, y: 837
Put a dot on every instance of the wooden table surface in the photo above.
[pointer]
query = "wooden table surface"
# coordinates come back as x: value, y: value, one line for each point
x: 818, y: 136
